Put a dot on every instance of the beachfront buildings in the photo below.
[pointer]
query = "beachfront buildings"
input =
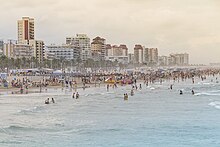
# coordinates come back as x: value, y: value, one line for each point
x: 83, y: 42
x: 98, y: 48
x: 138, y: 54
x: 150, y: 56
x: 23, y: 51
x: 179, y: 59
x: 63, y: 52
x: 8, y: 49
x: 163, y: 61
x: 25, y: 29
x: 108, y: 50
x: 11, y: 49
x: 117, y: 53
x: 38, y: 49
x: 26, y: 36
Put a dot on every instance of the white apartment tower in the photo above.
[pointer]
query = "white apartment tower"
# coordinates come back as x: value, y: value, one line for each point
x: 25, y: 29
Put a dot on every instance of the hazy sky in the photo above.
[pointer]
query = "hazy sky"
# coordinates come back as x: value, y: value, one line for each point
x: 173, y: 26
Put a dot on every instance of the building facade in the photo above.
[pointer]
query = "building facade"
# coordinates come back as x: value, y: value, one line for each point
x: 98, y: 48
x: 108, y: 51
x: 8, y: 49
x: 124, y: 49
x: 119, y: 59
x: 25, y: 29
x: 163, y: 61
x: 38, y: 49
x: 63, y: 52
x: 83, y: 42
x: 179, y: 59
x: 152, y: 56
x: 131, y: 58
x: 138, y: 54
x: 23, y: 51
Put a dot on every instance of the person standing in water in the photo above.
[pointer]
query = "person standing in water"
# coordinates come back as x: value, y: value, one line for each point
x: 53, y: 101
x: 132, y: 92
x: 107, y: 87
x: 77, y: 95
x: 171, y: 86
x: 193, y: 92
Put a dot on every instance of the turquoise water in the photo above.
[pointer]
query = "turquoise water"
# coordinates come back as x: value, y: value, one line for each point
x: 155, y: 116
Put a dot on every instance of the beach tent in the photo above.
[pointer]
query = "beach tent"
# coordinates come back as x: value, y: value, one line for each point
x: 57, y: 72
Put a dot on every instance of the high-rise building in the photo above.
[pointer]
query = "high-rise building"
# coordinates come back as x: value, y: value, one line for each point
x: 25, y: 29
x: 83, y: 42
x: 138, y: 54
x: 117, y: 51
x: 151, y: 56
x: 98, y: 48
x: 124, y: 50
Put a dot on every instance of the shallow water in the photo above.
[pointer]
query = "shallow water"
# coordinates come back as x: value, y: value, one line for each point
x: 154, y: 116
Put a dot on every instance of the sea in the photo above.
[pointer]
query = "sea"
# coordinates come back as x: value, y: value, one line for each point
x: 155, y: 116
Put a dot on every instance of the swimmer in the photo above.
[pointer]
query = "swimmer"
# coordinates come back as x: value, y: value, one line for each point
x: 126, y: 96
x: 181, y: 92
x: 47, y: 101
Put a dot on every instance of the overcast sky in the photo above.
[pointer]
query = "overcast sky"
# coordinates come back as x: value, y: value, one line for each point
x: 173, y: 26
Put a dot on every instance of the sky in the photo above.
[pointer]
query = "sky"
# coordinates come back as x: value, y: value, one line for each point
x: 173, y: 26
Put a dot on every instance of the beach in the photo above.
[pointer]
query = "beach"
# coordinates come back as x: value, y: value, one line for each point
x: 154, y: 116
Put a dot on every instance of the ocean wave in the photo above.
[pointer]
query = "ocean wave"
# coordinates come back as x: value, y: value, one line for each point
x: 215, y: 104
x: 94, y: 94
x: 31, y: 110
x: 10, y: 142
x: 207, y: 94
x: 10, y: 129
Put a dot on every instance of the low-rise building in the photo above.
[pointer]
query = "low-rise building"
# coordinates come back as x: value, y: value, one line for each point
x: 65, y: 52
x: 23, y: 51
x: 119, y: 59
